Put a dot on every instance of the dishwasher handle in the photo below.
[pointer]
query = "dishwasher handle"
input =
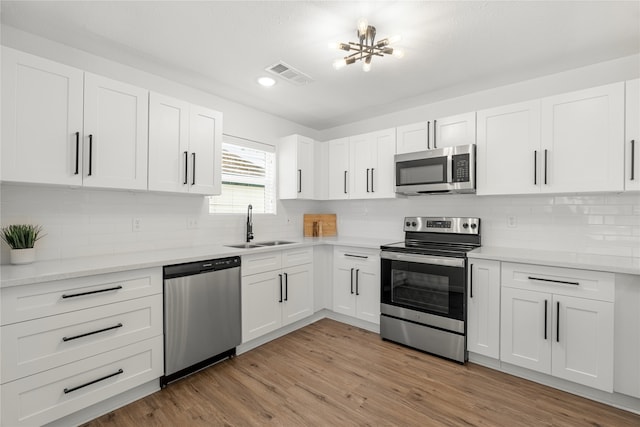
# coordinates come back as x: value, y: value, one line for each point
x: 199, y: 267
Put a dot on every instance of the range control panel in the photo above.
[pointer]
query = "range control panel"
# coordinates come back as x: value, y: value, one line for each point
x: 442, y: 224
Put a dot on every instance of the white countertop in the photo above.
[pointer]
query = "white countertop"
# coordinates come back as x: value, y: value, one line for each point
x: 44, y: 271
x: 613, y: 264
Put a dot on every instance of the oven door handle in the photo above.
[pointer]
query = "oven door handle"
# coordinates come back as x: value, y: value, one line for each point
x: 423, y: 259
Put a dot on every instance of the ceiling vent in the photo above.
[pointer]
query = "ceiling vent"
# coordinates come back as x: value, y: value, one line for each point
x: 290, y: 74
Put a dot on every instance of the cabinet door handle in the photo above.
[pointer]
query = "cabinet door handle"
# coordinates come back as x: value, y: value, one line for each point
x: 90, y: 154
x: 471, y: 281
x: 81, y: 294
x: 357, y: 256
x: 546, y: 304
x: 345, y: 182
x: 299, y: 180
x: 352, y: 280
x: 367, y: 180
x: 434, y: 134
x: 357, y: 287
x: 75, y: 337
x: 193, y: 169
x: 428, y: 134
x: 372, y: 190
x: 558, y: 321
x: 69, y: 390
x: 633, y: 158
x: 535, y: 167
x: 554, y: 281
x: 78, y: 154
x: 280, y: 276
x: 286, y: 287
x: 186, y: 167
x: 545, y: 166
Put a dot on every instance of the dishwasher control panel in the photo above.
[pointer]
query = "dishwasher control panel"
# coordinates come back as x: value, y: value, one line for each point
x: 198, y: 267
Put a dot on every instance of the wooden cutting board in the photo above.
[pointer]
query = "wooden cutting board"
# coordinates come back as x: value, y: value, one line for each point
x: 326, y: 225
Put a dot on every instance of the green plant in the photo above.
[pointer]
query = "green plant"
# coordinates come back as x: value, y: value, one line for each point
x: 21, y: 236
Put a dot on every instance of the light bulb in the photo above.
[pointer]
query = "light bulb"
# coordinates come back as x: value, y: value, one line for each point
x: 333, y: 45
x: 339, y: 63
x: 398, y: 53
x: 362, y: 26
x: 266, y: 81
x: 395, y: 39
x: 366, y: 67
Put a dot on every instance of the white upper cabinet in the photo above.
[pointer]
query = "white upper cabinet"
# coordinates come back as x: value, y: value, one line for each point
x: 338, y: 165
x: 438, y: 133
x: 582, y: 140
x: 371, y: 165
x: 115, y: 134
x: 454, y: 130
x: 184, y: 147
x: 507, y: 150
x: 632, y: 137
x: 296, y: 172
x: 41, y: 120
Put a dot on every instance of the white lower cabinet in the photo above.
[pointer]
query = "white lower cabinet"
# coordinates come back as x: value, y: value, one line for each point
x: 279, y: 295
x: 559, y: 321
x: 356, y: 283
x: 69, y: 344
x: 483, y: 308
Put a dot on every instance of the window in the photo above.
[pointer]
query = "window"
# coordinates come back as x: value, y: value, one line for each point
x: 248, y: 177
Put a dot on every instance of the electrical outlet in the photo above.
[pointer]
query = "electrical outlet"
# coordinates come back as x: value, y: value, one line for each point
x: 192, y: 223
x: 512, y: 221
x: 136, y: 224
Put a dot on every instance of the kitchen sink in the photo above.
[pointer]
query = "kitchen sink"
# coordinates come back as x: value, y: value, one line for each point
x: 244, y: 246
x: 274, y: 243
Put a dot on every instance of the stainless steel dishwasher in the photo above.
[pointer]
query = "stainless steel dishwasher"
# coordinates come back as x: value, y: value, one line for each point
x: 201, y: 315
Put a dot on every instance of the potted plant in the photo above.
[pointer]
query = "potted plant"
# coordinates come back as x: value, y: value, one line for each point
x: 21, y: 238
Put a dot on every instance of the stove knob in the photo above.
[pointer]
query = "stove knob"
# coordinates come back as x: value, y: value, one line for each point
x: 407, y: 223
x: 474, y: 226
x: 413, y: 224
x: 465, y: 225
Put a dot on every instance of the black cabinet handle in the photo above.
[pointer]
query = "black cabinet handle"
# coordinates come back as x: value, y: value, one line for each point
x: 471, y: 281
x: 345, y: 182
x: 186, y: 167
x: 535, y: 167
x: 434, y: 134
x: 428, y: 134
x: 545, y: 166
x: 558, y: 322
x: 78, y: 153
x: 633, y: 158
x: 280, y: 276
x: 299, y: 180
x: 286, y: 287
x: 81, y: 294
x: 352, y: 280
x: 357, y: 287
x: 69, y: 390
x: 554, y: 281
x: 75, y: 337
x: 367, y: 180
x: 357, y: 256
x: 372, y: 190
x: 193, y: 169
x: 90, y: 154
x: 546, y: 303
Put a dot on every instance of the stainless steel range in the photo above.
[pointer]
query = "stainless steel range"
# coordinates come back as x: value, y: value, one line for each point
x: 424, y: 282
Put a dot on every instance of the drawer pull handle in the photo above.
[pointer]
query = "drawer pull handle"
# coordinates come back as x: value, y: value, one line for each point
x: 75, y: 337
x: 357, y: 256
x: 115, y: 288
x: 69, y: 390
x: 554, y: 281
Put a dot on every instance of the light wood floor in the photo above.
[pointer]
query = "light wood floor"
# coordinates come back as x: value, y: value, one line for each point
x: 332, y: 374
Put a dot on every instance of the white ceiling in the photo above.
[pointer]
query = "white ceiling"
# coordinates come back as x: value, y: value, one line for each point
x: 451, y: 47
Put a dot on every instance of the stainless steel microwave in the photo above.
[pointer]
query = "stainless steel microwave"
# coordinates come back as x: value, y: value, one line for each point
x: 441, y: 170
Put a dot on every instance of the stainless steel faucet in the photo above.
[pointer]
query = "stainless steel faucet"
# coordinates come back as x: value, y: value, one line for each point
x: 249, y: 223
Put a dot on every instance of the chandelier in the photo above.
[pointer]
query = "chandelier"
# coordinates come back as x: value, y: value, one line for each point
x: 366, y: 47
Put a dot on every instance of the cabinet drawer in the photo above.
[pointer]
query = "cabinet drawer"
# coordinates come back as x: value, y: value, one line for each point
x: 20, y: 303
x: 41, y: 344
x: 259, y: 263
x: 299, y: 256
x: 360, y: 256
x: 41, y: 398
x: 595, y: 285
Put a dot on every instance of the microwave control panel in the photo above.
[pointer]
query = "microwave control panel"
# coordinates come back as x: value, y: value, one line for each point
x: 460, y: 167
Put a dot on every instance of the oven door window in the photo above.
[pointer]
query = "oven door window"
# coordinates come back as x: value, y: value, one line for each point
x: 424, y: 171
x: 428, y: 288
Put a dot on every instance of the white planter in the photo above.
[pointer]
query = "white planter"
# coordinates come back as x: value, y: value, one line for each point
x: 23, y: 256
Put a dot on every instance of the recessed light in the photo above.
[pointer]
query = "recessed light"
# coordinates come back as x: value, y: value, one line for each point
x: 266, y: 81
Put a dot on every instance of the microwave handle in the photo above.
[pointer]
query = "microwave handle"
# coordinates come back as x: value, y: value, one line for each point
x: 450, y: 168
